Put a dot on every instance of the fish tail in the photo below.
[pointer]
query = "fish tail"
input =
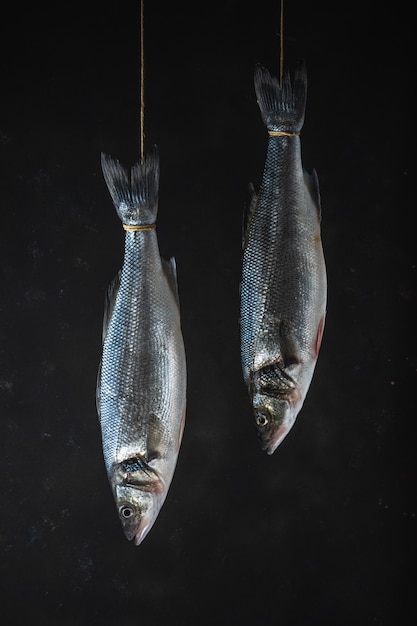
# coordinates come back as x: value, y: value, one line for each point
x: 282, y: 106
x: 134, y: 191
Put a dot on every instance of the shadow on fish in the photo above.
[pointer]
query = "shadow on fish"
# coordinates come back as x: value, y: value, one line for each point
x: 141, y: 385
x: 283, y: 283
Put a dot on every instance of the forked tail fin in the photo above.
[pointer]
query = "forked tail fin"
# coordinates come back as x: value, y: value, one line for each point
x: 134, y: 192
x: 282, y: 107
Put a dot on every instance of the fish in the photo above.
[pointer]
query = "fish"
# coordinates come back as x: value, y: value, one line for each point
x: 283, y: 288
x: 142, y: 376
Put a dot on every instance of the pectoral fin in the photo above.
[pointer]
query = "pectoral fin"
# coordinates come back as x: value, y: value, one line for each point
x: 319, y: 337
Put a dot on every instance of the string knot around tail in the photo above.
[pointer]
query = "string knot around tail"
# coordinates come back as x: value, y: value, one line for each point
x: 135, y: 227
x: 282, y: 133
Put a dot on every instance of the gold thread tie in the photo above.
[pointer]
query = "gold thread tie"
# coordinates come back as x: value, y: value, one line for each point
x: 135, y: 227
x: 282, y: 133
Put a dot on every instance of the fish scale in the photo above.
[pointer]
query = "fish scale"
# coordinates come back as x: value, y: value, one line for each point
x: 123, y: 357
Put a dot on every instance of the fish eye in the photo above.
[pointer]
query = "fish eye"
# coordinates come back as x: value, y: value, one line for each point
x: 261, y: 419
x: 126, y: 511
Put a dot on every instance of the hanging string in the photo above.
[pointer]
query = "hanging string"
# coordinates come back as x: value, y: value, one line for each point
x: 281, y: 41
x: 142, y: 85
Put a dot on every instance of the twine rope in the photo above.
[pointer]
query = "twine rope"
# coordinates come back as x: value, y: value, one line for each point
x: 135, y: 227
x: 282, y: 133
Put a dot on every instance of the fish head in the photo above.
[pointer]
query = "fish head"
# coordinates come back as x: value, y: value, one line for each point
x: 274, y: 417
x: 138, y: 511
x: 277, y: 399
x: 139, y: 493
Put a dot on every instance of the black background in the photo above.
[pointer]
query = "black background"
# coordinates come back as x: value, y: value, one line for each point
x: 322, y: 532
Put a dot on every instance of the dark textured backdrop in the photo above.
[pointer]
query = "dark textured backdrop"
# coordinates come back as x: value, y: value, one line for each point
x: 323, y: 532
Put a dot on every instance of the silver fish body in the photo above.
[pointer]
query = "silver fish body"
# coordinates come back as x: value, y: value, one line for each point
x: 141, y: 387
x: 284, y: 285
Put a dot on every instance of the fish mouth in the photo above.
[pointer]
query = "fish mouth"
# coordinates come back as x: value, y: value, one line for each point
x: 272, y: 433
x: 130, y: 518
x: 143, y: 530
x: 136, y: 528
x: 270, y: 444
x: 274, y: 419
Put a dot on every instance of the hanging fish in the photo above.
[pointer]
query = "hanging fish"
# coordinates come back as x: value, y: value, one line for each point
x: 141, y: 388
x: 284, y: 285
